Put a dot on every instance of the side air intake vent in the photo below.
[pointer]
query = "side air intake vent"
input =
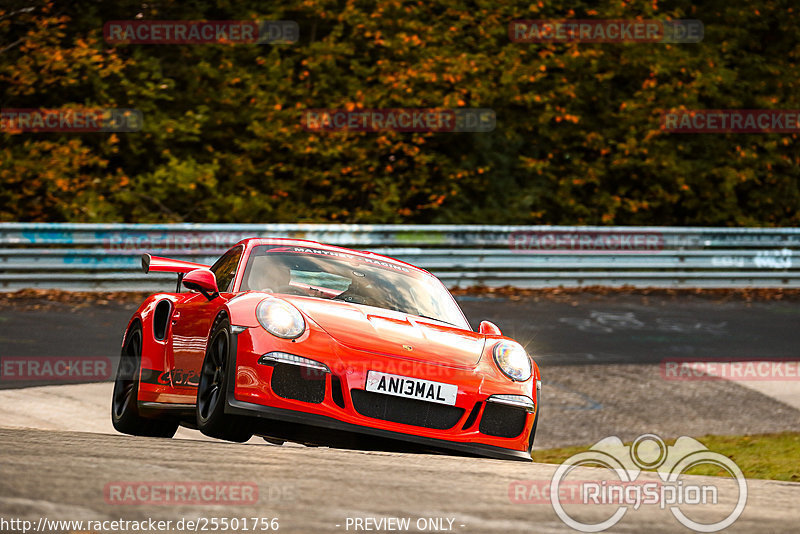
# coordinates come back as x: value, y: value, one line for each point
x: 161, y: 319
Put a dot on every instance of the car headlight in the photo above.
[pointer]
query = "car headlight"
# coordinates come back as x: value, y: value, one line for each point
x: 512, y: 359
x: 280, y: 318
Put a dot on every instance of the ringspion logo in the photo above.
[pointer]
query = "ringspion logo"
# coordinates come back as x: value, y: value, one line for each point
x: 626, y: 492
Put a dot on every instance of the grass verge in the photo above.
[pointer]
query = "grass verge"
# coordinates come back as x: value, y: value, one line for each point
x: 766, y: 456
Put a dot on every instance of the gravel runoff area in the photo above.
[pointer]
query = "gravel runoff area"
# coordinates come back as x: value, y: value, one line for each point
x: 582, y: 404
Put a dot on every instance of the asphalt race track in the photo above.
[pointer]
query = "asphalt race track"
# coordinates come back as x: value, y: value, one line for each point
x: 600, y: 359
x: 313, y: 490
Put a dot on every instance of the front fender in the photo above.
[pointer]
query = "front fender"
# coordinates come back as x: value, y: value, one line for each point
x: 242, y: 308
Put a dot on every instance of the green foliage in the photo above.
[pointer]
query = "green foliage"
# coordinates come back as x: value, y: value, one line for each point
x: 577, y: 138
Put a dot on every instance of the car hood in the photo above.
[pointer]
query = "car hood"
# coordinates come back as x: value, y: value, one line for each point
x: 392, y: 333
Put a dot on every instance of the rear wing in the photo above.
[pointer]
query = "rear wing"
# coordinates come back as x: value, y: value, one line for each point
x: 167, y: 265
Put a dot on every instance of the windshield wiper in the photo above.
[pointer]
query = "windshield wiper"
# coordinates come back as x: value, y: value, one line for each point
x: 435, y: 319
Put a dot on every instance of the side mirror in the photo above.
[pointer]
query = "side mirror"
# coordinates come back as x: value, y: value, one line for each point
x: 488, y: 328
x: 202, y: 280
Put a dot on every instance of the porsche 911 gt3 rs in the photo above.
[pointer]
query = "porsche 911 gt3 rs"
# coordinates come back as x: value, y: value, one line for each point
x: 293, y: 340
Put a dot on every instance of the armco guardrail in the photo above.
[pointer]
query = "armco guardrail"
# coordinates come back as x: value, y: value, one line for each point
x: 107, y: 256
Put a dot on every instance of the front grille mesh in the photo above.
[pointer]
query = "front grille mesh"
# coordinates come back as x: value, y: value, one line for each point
x: 298, y: 383
x: 406, y: 411
x: 503, y: 421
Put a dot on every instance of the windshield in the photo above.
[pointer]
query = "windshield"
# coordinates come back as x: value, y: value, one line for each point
x: 327, y: 274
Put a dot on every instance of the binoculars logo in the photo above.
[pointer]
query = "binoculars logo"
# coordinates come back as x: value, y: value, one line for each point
x: 649, y: 452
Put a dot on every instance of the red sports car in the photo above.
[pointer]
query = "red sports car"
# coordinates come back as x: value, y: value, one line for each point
x: 294, y: 340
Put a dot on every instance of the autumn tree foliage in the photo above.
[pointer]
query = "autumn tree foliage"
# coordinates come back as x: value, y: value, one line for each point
x: 577, y: 140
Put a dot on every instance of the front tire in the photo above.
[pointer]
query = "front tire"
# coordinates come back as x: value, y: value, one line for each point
x: 212, y: 389
x: 124, y: 401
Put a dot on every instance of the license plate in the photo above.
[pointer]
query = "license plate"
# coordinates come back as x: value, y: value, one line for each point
x: 411, y: 388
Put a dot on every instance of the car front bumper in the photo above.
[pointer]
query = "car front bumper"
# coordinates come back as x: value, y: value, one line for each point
x: 304, y: 404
